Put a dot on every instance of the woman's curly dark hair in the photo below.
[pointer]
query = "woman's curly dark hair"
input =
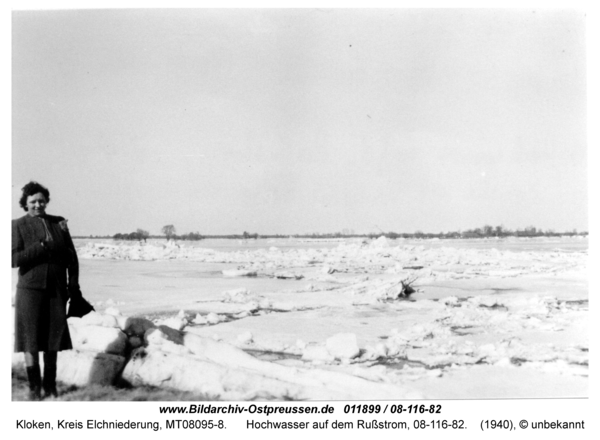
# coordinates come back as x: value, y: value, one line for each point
x: 31, y: 189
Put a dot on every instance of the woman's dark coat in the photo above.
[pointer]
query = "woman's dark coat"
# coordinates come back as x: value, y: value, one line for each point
x: 46, y: 275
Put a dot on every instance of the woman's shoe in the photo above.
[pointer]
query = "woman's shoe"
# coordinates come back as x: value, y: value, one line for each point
x: 49, y: 382
x: 50, y: 392
x: 35, y: 382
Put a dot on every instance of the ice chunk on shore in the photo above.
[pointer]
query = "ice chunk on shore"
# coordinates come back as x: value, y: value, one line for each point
x: 95, y: 318
x: 160, y: 334
x: 200, y: 320
x: 343, y: 346
x: 213, y: 318
x: 86, y: 367
x: 317, y: 353
x: 381, y: 242
x: 99, y: 339
x: 174, y: 322
x: 135, y: 326
x: 244, y: 338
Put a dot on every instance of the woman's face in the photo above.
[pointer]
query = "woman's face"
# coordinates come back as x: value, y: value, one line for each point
x: 36, y: 205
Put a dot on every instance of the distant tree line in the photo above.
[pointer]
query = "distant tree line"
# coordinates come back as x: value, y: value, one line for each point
x: 190, y: 236
x: 138, y: 235
x: 487, y: 231
x: 168, y: 231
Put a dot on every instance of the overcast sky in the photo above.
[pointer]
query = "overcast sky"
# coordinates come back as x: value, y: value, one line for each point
x: 294, y: 121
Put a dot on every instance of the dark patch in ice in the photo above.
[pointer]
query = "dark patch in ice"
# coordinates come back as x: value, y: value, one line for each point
x: 462, y: 330
x: 160, y: 315
x: 495, y: 307
x: 294, y: 277
x: 500, y: 290
x: 400, y: 363
x: 400, y: 298
x: 270, y: 310
x: 270, y: 356
x: 576, y: 304
x: 518, y: 361
x: 583, y: 363
x: 458, y: 299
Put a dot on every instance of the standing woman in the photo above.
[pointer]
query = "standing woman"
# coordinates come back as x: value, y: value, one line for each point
x: 43, y: 251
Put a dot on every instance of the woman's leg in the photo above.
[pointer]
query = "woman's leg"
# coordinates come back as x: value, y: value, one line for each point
x: 32, y: 363
x: 50, y: 374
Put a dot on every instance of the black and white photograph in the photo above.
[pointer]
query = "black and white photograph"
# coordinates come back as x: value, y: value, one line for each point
x: 218, y: 205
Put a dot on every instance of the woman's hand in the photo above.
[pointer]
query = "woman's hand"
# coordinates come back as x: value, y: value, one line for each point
x: 63, y: 225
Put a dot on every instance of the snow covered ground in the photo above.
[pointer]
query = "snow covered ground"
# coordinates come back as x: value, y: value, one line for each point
x: 283, y: 319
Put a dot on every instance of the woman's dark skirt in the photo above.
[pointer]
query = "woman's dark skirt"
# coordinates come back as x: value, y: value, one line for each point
x: 41, y: 320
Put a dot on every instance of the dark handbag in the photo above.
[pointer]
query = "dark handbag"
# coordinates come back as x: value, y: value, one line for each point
x: 79, y: 307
